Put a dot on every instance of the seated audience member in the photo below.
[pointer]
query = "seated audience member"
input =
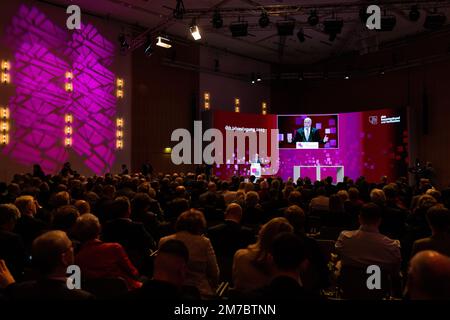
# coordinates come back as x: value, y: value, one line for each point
x: 253, y: 214
x: 203, y: 270
x: 178, y: 205
x: 12, y: 249
x: 367, y: 246
x: 353, y: 206
x: 82, y: 206
x: 52, y: 253
x: 211, y: 198
x: 170, y: 272
x: 321, y: 202
x: 140, y: 212
x: 228, y: 237
x: 288, y: 255
x: 228, y: 196
x: 98, y: 259
x: 6, y: 279
x: 428, y: 277
x: 252, y: 267
x: 393, y: 216
x: 438, y: 218
x: 378, y: 197
x: 28, y: 227
x: 64, y: 219
x: 316, y: 270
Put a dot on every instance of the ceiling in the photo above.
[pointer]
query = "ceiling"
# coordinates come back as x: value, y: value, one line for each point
x: 263, y: 43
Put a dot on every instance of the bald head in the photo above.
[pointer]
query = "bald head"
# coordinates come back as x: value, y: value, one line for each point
x: 429, y: 276
x: 52, y: 252
x: 233, y: 212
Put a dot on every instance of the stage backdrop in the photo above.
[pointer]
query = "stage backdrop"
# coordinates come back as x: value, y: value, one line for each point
x: 370, y: 144
x: 41, y: 50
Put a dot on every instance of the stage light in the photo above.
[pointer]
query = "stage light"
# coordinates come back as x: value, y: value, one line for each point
x: 120, y: 88
x: 264, y: 20
x: 179, y: 10
x: 301, y: 36
x: 285, y: 27
x: 119, y: 133
x: 217, y: 20
x: 163, y: 42
x: 5, y: 77
x: 264, y: 108
x: 434, y: 21
x: 347, y: 76
x: 68, y: 118
x: 258, y: 77
x: 195, y: 31
x: 237, y: 105
x: 148, y: 47
x: 414, y: 14
x: 253, y: 79
x: 313, y: 19
x: 206, y: 98
x: 239, y: 29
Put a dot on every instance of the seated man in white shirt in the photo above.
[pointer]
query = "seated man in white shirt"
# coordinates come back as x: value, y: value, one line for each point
x: 367, y: 246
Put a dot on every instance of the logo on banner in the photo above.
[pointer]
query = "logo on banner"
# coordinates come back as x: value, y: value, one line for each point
x: 373, y: 119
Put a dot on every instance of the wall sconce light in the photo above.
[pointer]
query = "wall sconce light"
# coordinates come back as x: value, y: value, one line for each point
x: 119, y: 133
x: 119, y: 90
x: 4, y: 125
x: 6, y: 67
x: 237, y: 105
x: 206, y: 97
x: 69, y: 82
x: 264, y: 108
x: 167, y: 150
x: 68, y: 130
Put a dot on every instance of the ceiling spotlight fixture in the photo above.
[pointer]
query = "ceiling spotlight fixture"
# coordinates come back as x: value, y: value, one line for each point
x: 313, y: 19
x: 253, y: 78
x: 347, y: 76
x: 217, y: 20
x: 258, y: 77
x: 414, y: 14
x: 179, y: 10
x: 195, y: 31
x: 285, y: 27
x: 301, y: 36
x: 148, y: 47
x: 264, y: 20
x: 434, y: 20
x: 163, y: 42
x: 239, y: 28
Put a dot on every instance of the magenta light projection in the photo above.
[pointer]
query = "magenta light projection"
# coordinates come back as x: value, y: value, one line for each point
x: 43, y: 53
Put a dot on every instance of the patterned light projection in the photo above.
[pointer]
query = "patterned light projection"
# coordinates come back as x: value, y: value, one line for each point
x: 43, y: 54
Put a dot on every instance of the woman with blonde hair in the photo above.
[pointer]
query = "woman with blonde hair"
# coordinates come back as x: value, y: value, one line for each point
x: 252, y: 268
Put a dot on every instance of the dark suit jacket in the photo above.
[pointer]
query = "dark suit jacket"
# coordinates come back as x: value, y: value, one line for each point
x: 45, y: 289
x: 314, y: 136
x: 29, y: 228
x: 226, y: 238
x: 12, y: 250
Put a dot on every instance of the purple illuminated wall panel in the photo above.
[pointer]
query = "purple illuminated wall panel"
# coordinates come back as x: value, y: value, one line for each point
x: 43, y: 53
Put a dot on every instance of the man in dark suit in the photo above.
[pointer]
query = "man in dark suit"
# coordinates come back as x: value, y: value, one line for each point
x: 12, y: 249
x: 228, y: 237
x: 308, y: 134
x: 52, y: 253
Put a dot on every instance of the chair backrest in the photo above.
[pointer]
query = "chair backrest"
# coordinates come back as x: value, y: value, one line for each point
x: 105, y: 288
x: 353, y: 284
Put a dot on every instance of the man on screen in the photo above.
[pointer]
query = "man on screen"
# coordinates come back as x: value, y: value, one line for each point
x: 308, y: 134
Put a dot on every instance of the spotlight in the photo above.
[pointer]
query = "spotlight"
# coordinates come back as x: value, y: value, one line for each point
x: 239, y: 29
x: 285, y: 27
x: 301, y: 36
x: 179, y: 10
x: 217, y: 20
x: 414, y: 14
x: 163, y: 42
x: 195, y: 31
x: 123, y: 42
x: 434, y: 21
x: 253, y: 78
x: 313, y: 19
x: 264, y: 20
x: 258, y: 77
x: 347, y: 76
x: 148, y: 47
